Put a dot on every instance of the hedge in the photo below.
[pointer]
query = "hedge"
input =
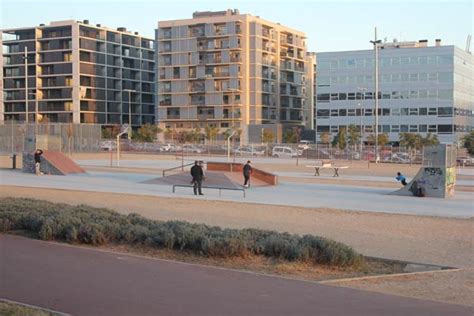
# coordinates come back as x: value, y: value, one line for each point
x: 97, y: 226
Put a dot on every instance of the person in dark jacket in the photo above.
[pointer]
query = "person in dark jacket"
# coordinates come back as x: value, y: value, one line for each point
x: 247, y: 170
x: 198, y: 174
x: 38, y: 154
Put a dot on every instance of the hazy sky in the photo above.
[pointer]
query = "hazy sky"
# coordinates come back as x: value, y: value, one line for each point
x: 330, y: 25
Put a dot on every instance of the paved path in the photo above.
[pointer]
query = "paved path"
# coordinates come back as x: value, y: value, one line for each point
x: 89, y: 282
x: 291, y: 194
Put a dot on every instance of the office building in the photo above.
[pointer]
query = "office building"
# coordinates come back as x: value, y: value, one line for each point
x: 422, y: 89
x: 77, y: 73
x: 230, y: 71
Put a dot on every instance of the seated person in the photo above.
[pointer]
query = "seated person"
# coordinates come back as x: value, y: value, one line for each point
x: 400, y: 177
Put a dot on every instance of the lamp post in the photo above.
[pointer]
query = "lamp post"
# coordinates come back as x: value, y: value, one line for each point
x: 25, y: 58
x: 361, y: 103
x: 129, y: 111
x: 376, y: 93
x: 232, y: 91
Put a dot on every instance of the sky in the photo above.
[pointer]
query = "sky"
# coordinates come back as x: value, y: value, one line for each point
x: 335, y: 25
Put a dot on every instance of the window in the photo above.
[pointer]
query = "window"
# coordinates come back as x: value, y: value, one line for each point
x: 334, y: 129
x: 334, y: 96
x: 368, y: 128
x: 385, y: 112
x: 342, y: 112
x: 432, y: 129
x: 404, y: 111
x: 422, y: 94
x: 433, y: 77
x: 334, y: 112
x: 423, y: 111
x: 445, y: 111
x: 395, y: 112
x: 405, y: 77
x: 323, y: 97
x: 395, y: 128
x: 395, y: 95
x: 423, y: 128
x: 404, y: 128
x: 413, y: 94
x: 351, y: 96
x: 385, y: 95
x: 322, y: 113
x: 413, y: 128
x: 386, y: 78
x: 413, y: 77
x: 432, y: 111
x: 342, y: 96
x: 445, y: 129
x: 413, y: 111
x: 368, y: 112
x: 351, y: 112
x: 176, y: 73
x: 385, y: 128
x: 432, y: 94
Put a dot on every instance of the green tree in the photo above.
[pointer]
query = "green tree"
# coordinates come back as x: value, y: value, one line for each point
x: 289, y: 136
x: 430, y: 140
x: 325, y: 137
x: 341, y: 138
x: 267, y: 136
x: 211, y: 133
x: 110, y: 132
x: 468, y: 143
x: 410, y: 140
x: 353, y: 135
x: 146, y: 133
x: 382, y: 139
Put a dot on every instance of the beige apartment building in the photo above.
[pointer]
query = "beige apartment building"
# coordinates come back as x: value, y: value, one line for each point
x: 77, y: 73
x: 231, y: 71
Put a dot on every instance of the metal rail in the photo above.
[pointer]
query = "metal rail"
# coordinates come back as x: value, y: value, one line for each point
x: 215, y: 188
x: 178, y: 167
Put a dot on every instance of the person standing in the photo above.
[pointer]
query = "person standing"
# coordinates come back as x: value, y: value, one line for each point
x: 198, y: 174
x: 38, y: 154
x: 247, y: 171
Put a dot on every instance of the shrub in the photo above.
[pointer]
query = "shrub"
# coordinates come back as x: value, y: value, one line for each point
x: 97, y: 226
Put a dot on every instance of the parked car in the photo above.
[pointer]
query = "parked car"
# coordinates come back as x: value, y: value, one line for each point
x: 464, y: 161
x: 108, y: 145
x: 285, y: 152
x: 304, y: 145
x: 170, y: 148
x: 189, y: 148
x: 249, y: 151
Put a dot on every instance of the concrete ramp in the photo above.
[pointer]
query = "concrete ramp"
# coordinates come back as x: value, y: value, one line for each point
x: 433, y: 181
x: 52, y: 162
x: 437, y: 177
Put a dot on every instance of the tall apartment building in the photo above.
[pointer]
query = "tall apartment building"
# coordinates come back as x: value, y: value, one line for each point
x: 229, y: 70
x: 79, y: 73
x: 422, y: 89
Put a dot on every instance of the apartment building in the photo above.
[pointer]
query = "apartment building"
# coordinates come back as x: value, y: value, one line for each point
x: 77, y: 73
x: 422, y: 89
x: 230, y: 71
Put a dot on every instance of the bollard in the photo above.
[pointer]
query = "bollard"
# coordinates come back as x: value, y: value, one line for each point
x: 13, y: 161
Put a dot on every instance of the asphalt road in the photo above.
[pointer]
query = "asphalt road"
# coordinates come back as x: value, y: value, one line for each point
x: 83, y: 281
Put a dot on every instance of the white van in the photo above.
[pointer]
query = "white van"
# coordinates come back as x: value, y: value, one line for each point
x: 284, y: 152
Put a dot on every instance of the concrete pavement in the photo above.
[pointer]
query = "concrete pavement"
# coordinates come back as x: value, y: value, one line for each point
x: 358, y: 198
x: 84, y: 281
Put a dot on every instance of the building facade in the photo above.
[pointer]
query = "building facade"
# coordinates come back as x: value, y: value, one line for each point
x: 229, y: 70
x: 77, y: 73
x: 422, y: 89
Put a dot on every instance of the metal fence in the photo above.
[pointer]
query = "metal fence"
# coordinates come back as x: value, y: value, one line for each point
x: 19, y: 137
x: 272, y: 150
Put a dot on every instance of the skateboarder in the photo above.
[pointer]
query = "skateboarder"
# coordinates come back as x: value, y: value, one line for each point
x: 38, y: 154
x: 400, y: 177
x: 198, y: 174
x: 247, y: 171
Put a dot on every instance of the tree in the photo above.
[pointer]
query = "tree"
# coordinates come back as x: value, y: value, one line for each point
x: 468, y: 143
x: 146, y: 133
x: 410, y: 140
x: 353, y: 135
x: 267, y: 136
x: 325, y: 137
x: 211, y: 133
x: 110, y: 131
x: 341, y: 138
x: 430, y: 140
x: 382, y: 139
x: 289, y: 136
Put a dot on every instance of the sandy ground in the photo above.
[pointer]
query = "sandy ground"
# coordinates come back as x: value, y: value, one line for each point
x: 456, y: 287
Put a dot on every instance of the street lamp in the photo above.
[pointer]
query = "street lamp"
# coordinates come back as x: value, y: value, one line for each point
x: 25, y: 58
x: 376, y: 93
x: 232, y: 91
x: 361, y: 103
x: 129, y: 110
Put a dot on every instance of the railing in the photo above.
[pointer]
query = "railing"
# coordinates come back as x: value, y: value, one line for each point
x: 178, y: 167
x: 204, y: 187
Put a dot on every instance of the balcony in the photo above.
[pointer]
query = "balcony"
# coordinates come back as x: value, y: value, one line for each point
x: 165, y: 102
